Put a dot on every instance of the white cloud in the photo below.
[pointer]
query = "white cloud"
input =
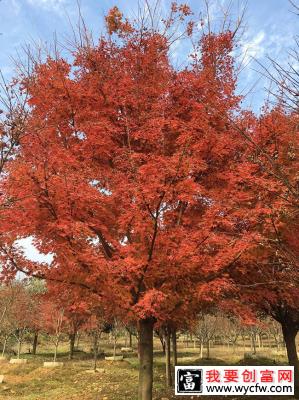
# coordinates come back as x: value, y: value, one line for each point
x: 55, y: 5
x: 48, y: 3
x: 253, y: 48
x: 16, y: 7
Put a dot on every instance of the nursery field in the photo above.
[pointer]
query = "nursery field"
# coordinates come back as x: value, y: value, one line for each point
x: 114, y: 380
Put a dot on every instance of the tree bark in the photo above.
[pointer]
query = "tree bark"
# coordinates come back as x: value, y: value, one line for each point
x: 114, y: 345
x: 78, y: 340
x: 201, y: 348
x: 162, y: 340
x: 253, y: 343
x: 289, y: 335
x: 244, y: 343
x: 187, y: 340
x: 168, y: 358
x: 4, y: 345
x: 208, y: 349
x: 130, y: 339
x: 19, y: 347
x: 55, y: 351
x: 95, y: 350
x: 145, y: 388
x: 261, y: 342
x: 174, y: 348
x: 72, y: 338
x: 34, y: 344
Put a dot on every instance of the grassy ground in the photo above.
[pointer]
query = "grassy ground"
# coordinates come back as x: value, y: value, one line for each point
x: 118, y: 381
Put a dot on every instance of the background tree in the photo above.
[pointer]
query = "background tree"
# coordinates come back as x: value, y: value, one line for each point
x: 21, y: 314
x: 53, y: 321
x: 269, y: 272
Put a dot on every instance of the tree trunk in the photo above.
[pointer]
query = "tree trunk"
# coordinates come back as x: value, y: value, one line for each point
x: 114, y: 346
x: 259, y: 340
x: 174, y: 348
x: 130, y: 339
x: 208, y: 349
x: 289, y: 335
x: 95, y: 350
x: 253, y: 343
x: 168, y: 359
x: 55, y: 351
x: 72, y: 338
x: 145, y: 388
x: 19, y: 347
x: 78, y: 340
x: 201, y: 348
x: 138, y: 348
x: 162, y: 340
x: 34, y: 344
x: 4, y: 345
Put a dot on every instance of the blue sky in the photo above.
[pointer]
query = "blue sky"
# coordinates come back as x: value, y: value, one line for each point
x: 270, y: 29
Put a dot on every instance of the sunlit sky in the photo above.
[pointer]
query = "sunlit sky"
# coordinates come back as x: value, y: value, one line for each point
x: 270, y: 29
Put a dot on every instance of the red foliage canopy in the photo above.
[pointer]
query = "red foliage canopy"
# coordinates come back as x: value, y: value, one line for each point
x: 125, y: 174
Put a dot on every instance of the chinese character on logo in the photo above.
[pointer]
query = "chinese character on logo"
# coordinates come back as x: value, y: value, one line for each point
x: 189, y: 380
x: 213, y: 376
x: 267, y: 375
x: 230, y: 375
x: 285, y: 375
x: 249, y: 376
x: 188, y: 384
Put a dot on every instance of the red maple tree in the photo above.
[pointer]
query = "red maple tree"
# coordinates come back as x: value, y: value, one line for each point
x: 126, y: 176
x: 268, y: 273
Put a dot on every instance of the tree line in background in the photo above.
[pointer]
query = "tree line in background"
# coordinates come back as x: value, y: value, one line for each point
x: 157, y: 194
x: 32, y: 315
